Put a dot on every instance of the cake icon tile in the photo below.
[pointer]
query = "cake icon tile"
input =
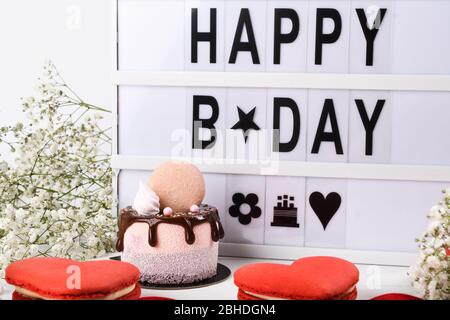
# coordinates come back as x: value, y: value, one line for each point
x: 285, y: 214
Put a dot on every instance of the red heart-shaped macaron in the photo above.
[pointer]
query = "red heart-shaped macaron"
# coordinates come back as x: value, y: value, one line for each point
x: 312, y: 278
x: 56, y: 278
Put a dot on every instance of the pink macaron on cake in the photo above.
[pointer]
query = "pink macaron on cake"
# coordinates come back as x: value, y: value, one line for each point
x: 168, y: 233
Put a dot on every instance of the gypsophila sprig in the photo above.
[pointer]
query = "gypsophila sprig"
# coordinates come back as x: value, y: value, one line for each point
x: 431, y: 274
x: 56, y: 198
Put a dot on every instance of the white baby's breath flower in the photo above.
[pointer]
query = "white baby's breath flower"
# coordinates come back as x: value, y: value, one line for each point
x: 20, y: 215
x: 49, y: 203
x: 433, y: 226
x: 431, y: 273
x: 432, y: 289
x: 447, y: 193
x: 3, y: 166
x: 438, y: 243
x: 433, y: 262
x: 435, y: 213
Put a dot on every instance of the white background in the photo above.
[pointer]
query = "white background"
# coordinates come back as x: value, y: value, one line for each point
x: 75, y: 35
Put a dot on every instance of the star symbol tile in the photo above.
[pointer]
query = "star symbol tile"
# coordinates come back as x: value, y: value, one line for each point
x: 246, y: 122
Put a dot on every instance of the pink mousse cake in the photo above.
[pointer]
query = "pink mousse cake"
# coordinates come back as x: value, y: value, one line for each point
x: 171, y: 249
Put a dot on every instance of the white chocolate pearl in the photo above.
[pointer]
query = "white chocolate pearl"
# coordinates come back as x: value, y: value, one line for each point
x: 194, y: 208
x: 168, y: 211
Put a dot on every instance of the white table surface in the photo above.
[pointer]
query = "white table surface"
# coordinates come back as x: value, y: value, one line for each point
x: 374, y: 280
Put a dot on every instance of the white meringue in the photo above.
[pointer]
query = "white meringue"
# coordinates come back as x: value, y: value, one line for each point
x: 146, y: 201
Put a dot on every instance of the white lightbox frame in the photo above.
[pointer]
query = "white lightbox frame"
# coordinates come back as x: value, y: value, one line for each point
x: 386, y: 82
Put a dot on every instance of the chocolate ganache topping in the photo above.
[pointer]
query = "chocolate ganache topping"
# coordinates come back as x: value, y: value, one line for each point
x: 188, y: 221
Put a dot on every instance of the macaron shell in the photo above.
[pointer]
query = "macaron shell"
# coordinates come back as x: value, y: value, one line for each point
x: 242, y: 295
x: 133, y: 295
x: 330, y: 275
x: 49, y: 277
x: 312, y: 278
x: 395, y: 296
x: 155, y: 298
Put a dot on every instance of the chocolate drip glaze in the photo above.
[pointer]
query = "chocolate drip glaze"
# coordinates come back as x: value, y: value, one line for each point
x: 207, y: 214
